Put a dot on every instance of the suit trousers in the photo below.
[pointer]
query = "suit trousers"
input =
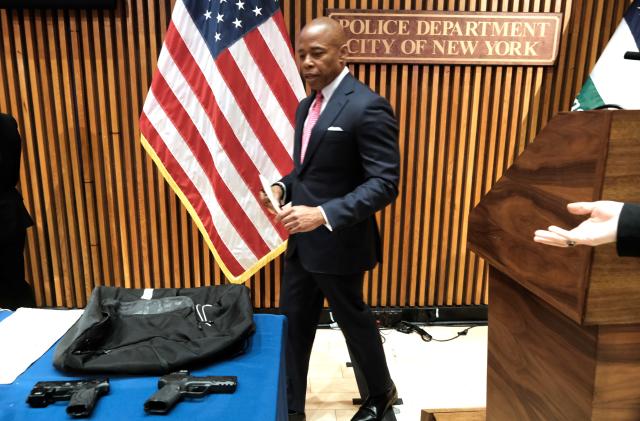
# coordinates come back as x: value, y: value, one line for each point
x: 301, y: 300
x: 14, y: 290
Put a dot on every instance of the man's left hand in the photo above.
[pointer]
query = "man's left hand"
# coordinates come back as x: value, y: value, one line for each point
x: 300, y: 218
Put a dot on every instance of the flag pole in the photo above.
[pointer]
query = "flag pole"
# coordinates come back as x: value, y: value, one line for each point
x: 632, y: 55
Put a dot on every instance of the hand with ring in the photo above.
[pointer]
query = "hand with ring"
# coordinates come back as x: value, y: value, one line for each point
x: 600, y: 228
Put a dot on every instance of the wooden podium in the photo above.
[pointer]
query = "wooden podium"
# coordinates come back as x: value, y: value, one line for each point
x: 564, y: 323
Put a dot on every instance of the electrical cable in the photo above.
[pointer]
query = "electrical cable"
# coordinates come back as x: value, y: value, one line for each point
x: 407, y: 327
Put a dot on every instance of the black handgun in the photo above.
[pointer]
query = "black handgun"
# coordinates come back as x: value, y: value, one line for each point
x: 81, y: 394
x: 173, y: 387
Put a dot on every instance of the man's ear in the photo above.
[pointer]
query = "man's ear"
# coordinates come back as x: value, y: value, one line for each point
x: 343, y: 54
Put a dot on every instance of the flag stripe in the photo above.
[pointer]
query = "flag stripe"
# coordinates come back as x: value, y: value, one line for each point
x: 180, y: 153
x: 189, y: 190
x: 277, y: 82
x: 230, y: 108
x: 252, y: 111
x: 279, y: 23
x: 187, y: 130
x: 242, y: 165
x: 281, y: 51
x: 262, y: 92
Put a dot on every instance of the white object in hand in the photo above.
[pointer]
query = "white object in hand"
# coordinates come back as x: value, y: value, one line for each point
x: 266, y: 187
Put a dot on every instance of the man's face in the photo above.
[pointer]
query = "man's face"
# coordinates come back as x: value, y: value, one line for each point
x: 319, y: 58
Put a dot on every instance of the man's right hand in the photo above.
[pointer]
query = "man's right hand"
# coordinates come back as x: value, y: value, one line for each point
x: 600, y: 228
x: 277, y: 193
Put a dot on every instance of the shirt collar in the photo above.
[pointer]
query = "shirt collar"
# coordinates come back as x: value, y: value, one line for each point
x: 328, y: 90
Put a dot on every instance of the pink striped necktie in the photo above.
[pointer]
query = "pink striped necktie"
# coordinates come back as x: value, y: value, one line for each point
x: 314, y: 114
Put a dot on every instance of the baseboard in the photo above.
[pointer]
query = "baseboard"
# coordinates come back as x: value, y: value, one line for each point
x: 390, y: 316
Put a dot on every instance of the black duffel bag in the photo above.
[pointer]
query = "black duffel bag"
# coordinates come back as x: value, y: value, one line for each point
x: 157, y: 331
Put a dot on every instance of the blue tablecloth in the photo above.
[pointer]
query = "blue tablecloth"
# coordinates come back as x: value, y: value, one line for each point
x: 260, y: 396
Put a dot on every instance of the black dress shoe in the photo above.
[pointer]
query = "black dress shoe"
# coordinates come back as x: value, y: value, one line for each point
x: 296, y: 416
x: 374, y: 408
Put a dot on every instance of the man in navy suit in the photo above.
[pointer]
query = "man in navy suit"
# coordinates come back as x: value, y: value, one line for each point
x: 346, y: 167
x: 14, y: 220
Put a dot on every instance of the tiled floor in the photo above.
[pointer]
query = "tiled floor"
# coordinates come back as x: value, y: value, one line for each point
x: 427, y: 374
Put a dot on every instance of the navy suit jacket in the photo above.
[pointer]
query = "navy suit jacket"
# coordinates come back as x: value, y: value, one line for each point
x: 14, y: 218
x: 351, y: 169
x: 628, y: 241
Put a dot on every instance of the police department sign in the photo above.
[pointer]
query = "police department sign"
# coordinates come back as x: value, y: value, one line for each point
x: 450, y: 37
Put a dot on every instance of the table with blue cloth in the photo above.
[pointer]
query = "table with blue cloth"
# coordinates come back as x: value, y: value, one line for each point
x: 260, y: 396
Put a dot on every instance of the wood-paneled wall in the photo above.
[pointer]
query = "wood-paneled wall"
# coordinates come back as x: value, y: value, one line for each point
x: 75, y: 80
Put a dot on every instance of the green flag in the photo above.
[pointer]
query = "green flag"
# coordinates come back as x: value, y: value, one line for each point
x: 615, y: 80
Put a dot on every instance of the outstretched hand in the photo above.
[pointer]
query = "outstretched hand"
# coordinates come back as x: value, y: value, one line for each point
x: 600, y: 228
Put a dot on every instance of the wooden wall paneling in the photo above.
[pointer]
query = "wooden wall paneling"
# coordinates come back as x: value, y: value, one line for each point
x: 615, y: 11
x: 464, y: 178
x: 591, y: 50
x: 76, y: 81
x: 566, y: 66
x: 520, y: 141
x: 56, y: 157
x: 266, y: 280
x: 514, y: 118
x: 155, y: 188
x: 174, y: 245
x: 402, y: 205
x: 581, y: 54
x: 30, y: 43
x: 409, y: 275
x: 439, y: 242
x: 83, y: 117
x: 468, y: 132
x: 396, y: 95
x: 84, y: 285
x: 109, y: 173
x: 429, y: 255
x: 94, y: 184
x: 71, y: 187
x: 126, y: 226
x: 451, y: 205
x: 503, y: 127
x: 135, y: 159
x: 78, y: 140
x: 467, y: 271
x: 420, y: 234
x: 136, y: 213
x: 183, y: 266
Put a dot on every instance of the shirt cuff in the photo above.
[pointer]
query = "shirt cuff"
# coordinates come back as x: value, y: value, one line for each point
x: 284, y: 191
x: 326, y: 220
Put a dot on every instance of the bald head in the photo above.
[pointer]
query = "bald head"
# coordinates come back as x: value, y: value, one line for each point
x: 329, y: 27
x: 321, y: 50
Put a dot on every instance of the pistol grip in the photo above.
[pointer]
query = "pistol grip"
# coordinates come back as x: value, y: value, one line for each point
x: 163, y: 400
x: 82, y: 402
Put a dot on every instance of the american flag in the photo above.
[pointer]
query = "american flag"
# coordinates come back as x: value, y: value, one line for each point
x: 219, y: 113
